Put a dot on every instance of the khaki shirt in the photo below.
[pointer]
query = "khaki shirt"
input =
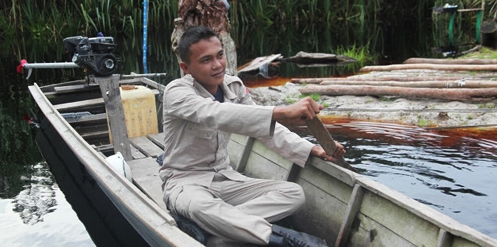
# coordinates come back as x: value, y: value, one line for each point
x: 197, y: 131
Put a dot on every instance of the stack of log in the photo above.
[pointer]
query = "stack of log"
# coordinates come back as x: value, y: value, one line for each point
x: 466, y: 80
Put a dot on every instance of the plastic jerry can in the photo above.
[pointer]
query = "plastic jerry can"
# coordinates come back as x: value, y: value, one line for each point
x: 140, y: 113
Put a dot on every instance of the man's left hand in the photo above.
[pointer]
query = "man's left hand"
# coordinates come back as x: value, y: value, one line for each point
x: 319, y: 152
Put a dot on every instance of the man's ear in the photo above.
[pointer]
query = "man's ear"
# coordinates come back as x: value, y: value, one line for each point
x: 184, y: 67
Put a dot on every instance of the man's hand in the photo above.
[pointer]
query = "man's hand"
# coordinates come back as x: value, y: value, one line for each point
x: 319, y: 152
x: 298, y: 112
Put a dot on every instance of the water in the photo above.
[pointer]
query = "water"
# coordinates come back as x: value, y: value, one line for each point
x: 40, y: 215
x: 452, y: 173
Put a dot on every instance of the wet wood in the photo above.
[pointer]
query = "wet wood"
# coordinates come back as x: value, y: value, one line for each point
x: 418, y: 84
x: 461, y: 94
x: 447, y: 67
x: 324, y: 138
x: 415, y: 60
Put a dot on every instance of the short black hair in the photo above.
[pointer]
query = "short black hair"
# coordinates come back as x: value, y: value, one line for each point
x: 191, y: 36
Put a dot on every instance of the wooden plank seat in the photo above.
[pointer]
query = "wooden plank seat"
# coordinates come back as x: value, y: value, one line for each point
x: 146, y: 146
x: 145, y: 174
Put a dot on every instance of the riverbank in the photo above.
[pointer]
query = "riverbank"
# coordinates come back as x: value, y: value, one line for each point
x: 422, y: 113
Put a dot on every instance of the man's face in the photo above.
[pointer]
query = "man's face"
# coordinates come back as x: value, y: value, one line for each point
x: 207, y: 63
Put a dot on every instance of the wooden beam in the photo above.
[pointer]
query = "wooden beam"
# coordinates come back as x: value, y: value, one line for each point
x: 445, y: 239
x: 78, y: 104
x: 353, y: 208
x: 109, y: 86
x: 240, y: 166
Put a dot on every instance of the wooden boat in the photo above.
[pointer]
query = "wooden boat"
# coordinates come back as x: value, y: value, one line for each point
x: 343, y: 207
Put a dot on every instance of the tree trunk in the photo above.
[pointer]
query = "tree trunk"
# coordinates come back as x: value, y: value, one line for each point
x: 418, y: 84
x: 412, y: 93
x: 399, y: 78
x: 211, y: 14
x: 449, y: 67
x: 416, y: 60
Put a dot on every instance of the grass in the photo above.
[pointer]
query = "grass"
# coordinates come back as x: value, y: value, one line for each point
x: 483, y: 53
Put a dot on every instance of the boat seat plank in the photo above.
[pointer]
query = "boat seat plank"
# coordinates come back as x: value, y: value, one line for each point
x: 146, y: 146
x: 158, y: 139
x: 75, y: 88
x: 136, y: 154
x: 145, y: 174
x: 79, y: 104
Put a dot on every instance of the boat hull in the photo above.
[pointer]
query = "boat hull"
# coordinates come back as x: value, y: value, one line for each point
x: 104, y: 222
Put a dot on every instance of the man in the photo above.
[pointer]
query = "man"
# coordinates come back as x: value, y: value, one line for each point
x: 201, y: 109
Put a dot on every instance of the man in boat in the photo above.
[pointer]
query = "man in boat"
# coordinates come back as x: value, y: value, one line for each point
x: 201, y: 109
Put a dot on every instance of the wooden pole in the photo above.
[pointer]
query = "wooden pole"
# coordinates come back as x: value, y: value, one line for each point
x: 109, y: 86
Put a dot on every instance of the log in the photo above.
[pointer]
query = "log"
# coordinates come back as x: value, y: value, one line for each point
x: 459, y: 94
x: 399, y: 78
x: 417, y: 84
x: 416, y: 60
x: 448, y: 67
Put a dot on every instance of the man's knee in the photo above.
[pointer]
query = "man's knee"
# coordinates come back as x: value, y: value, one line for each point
x: 294, y: 194
x: 297, y: 193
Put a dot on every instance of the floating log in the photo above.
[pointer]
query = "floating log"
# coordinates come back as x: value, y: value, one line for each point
x: 449, y: 67
x: 460, y: 94
x: 476, y: 61
x: 309, y: 80
x: 399, y: 78
x: 417, y: 84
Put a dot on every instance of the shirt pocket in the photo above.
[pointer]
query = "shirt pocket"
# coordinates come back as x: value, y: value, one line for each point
x: 200, y: 140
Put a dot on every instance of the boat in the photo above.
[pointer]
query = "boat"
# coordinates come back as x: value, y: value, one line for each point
x: 343, y: 207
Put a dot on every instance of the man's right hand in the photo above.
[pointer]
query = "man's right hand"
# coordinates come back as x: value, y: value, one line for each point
x: 298, y: 112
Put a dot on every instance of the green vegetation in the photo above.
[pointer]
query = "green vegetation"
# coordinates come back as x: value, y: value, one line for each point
x: 315, y: 96
x: 487, y: 105
x: 483, y: 53
x: 422, y: 122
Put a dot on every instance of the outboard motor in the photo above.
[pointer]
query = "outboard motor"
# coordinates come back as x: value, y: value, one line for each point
x: 94, y: 54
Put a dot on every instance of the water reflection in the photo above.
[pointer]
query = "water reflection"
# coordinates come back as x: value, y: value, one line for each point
x: 40, y: 215
x: 38, y: 196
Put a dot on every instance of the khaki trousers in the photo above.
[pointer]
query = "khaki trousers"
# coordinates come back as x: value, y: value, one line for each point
x: 238, y: 210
